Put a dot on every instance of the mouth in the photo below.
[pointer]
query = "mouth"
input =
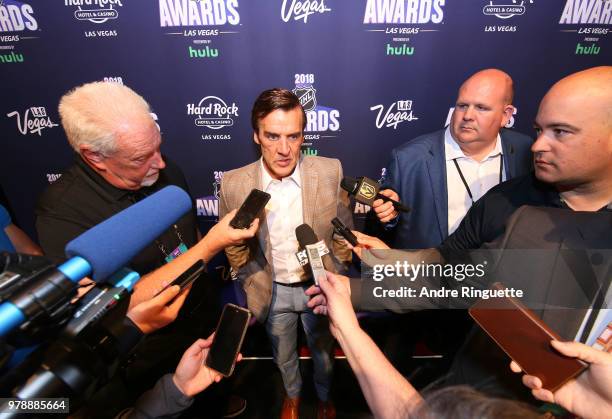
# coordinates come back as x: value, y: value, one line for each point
x: 542, y: 163
x: 283, y: 162
x: 466, y: 128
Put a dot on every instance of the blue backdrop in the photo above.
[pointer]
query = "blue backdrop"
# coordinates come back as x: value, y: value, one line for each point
x: 372, y: 73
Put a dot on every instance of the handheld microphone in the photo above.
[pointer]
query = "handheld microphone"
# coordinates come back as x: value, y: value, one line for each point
x: 306, y: 237
x: 365, y: 191
x: 100, y: 251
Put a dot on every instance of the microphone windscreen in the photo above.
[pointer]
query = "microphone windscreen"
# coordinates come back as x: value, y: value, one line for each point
x: 111, y: 244
x: 349, y: 184
x: 305, y: 235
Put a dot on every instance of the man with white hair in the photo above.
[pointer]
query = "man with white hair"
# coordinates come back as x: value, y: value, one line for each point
x: 118, y: 162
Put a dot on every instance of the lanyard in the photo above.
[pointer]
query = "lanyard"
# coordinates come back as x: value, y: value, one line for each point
x: 467, y: 187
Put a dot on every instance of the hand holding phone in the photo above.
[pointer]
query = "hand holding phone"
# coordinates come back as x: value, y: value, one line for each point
x: 228, y: 339
x: 250, y: 208
x: 525, y: 338
x: 187, y: 277
x: 344, y: 231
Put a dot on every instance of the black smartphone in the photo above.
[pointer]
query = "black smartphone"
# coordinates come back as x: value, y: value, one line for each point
x: 344, y: 231
x: 228, y: 339
x: 187, y: 277
x: 250, y: 208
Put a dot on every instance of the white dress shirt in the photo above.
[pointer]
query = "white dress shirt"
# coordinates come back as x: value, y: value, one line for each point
x: 479, y: 175
x: 283, y: 214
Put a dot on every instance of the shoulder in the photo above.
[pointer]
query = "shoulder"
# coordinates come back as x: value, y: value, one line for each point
x: 60, y: 195
x: 235, y: 175
x: 519, y: 188
x: 318, y: 161
x: 325, y: 167
x: 420, y: 146
x: 515, y: 137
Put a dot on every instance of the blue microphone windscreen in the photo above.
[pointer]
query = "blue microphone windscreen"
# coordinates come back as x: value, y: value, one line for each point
x: 111, y: 244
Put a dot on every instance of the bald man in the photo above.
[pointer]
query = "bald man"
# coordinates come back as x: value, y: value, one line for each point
x: 441, y: 174
x: 572, y: 156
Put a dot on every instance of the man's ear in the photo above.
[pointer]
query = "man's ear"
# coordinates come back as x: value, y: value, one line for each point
x: 94, y: 158
x: 256, y: 138
x: 508, y: 112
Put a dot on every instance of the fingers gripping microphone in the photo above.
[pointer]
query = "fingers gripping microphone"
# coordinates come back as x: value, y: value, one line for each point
x: 365, y: 191
x: 316, y: 251
x: 99, y: 252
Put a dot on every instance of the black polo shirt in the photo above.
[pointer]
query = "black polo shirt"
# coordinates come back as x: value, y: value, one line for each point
x: 81, y: 199
x: 486, y: 220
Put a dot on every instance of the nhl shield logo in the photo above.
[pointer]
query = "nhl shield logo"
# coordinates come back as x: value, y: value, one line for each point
x: 307, y: 97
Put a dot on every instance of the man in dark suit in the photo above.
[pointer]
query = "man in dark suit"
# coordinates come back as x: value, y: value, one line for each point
x: 441, y: 174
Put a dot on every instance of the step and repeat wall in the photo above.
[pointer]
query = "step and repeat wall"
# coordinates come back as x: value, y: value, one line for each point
x: 371, y: 74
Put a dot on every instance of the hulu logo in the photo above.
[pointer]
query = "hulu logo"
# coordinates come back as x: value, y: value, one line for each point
x: 11, y: 58
x: 310, y: 151
x: 584, y: 50
x: 203, y: 52
x: 403, y: 50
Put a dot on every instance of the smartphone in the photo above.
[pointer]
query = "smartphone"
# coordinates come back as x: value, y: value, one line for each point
x: 250, y: 208
x: 187, y: 277
x: 343, y: 230
x: 228, y: 339
x: 525, y: 338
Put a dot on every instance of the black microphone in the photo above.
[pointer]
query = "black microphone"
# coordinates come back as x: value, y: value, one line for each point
x: 365, y: 190
x: 305, y: 235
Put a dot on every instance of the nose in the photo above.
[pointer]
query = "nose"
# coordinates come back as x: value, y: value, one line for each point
x: 541, y: 144
x: 469, y: 113
x: 283, y: 147
x: 158, y: 161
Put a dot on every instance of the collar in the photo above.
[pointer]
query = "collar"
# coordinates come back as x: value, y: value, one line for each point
x: 266, y: 179
x: 453, y: 151
x: 561, y: 202
x: 112, y: 193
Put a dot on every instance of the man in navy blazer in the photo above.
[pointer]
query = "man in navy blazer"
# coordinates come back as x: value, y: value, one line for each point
x: 439, y: 175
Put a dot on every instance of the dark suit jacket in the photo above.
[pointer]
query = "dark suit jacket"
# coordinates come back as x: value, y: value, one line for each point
x: 417, y: 172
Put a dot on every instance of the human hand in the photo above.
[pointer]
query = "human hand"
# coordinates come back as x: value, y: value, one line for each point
x: 366, y: 242
x: 318, y: 301
x: 192, y: 376
x: 222, y: 234
x: 589, y: 395
x: 152, y: 314
x: 385, y: 211
x: 337, y: 304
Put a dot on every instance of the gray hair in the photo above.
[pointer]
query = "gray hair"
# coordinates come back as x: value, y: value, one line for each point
x: 463, y: 402
x: 91, y: 114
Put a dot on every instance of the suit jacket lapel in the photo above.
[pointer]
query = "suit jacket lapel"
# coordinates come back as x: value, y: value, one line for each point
x: 310, y: 182
x: 263, y: 235
x: 508, y: 156
x: 436, y: 167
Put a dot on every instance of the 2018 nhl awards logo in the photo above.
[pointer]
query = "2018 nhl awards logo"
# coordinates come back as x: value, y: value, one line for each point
x: 308, y: 97
x: 321, y: 121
